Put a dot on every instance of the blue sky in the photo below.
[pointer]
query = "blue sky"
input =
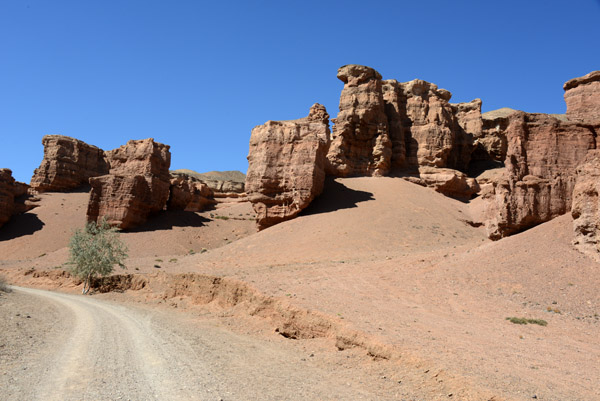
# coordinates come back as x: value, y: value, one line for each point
x: 200, y: 75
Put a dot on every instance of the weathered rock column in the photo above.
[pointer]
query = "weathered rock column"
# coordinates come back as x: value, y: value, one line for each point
x: 286, y: 166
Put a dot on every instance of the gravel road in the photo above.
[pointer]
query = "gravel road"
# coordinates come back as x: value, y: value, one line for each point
x: 68, y: 347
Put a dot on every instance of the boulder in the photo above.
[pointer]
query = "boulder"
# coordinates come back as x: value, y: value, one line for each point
x: 137, y: 185
x: 449, y: 182
x: 582, y: 96
x: 286, y: 165
x: 68, y: 164
x: 585, y: 208
x: 360, y: 142
x: 189, y: 194
x: 540, y: 167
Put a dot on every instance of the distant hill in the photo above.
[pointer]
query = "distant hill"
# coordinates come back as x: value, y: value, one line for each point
x: 233, y: 175
x: 506, y: 111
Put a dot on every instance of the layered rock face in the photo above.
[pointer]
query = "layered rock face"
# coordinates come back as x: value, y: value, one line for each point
x: 286, y: 165
x: 137, y: 185
x: 582, y: 96
x: 389, y: 126
x: 360, y: 144
x: 14, y: 197
x: 542, y: 155
x: 491, y: 144
x: 427, y: 130
x: 7, y: 195
x: 586, y: 206
x: 225, y: 185
x: 189, y: 194
x: 68, y: 164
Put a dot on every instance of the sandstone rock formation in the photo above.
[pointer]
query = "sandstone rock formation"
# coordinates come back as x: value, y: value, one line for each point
x: 542, y: 155
x: 142, y: 157
x: 7, y: 196
x: 14, y: 198
x: 388, y: 126
x: 490, y: 145
x: 360, y: 143
x: 137, y: 185
x: 586, y: 206
x: 286, y: 165
x: 227, y: 186
x: 68, y: 164
x: 189, y: 194
x: 427, y: 130
x: 582, y: 96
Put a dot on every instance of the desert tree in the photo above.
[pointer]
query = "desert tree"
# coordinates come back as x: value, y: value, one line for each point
x: 94, y: 251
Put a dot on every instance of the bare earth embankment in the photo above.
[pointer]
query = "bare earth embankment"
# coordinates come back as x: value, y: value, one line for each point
x: 378, y: 269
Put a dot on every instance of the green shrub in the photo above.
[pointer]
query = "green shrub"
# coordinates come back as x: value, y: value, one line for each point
x: 3, y: 286
x: 523, y: 320
x: 94, y: 251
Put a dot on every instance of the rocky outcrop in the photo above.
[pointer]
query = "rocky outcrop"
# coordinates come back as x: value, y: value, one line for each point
x: 225, y: 185
x: 389, y: 126
x: 124, y: 201
x: 491, y: 144
x: 68, y: 164
x: 586, y: 206
x: 14, y: 197
x: 189, y: 194
x: 582, y: 96
x: 286, y: 165
x: 141, y: 157
x: 137, y: 185
x: 427, y: 130
x: 360, y: 143
x: 542, y: 155
x: 7, y: 195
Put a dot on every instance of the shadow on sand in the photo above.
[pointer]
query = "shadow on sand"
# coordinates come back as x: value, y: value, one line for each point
x: 336, y: 196
x: 167, y: 219
x: 20, y: 225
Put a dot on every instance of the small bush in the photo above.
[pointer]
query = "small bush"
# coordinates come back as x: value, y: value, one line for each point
x: 3, y: 286
x: 523, y: 320
x: 94, y: 252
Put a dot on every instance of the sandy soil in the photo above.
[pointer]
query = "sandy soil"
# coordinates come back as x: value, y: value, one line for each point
x: 400, y: 265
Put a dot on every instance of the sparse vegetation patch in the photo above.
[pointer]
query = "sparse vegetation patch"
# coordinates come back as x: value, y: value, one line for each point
x: 523, y: 320
x: 3, y: 286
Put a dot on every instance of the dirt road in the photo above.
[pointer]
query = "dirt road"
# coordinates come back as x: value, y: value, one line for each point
x: 82, y: 348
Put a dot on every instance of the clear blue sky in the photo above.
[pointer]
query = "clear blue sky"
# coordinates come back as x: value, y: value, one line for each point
x: 199, y: 75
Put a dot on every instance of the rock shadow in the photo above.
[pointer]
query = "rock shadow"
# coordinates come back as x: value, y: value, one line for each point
x: 336, y: 196
x: 20, y: 225
x: 167, y: 219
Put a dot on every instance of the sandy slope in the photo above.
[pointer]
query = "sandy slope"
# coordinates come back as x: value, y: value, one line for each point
x: 400, y: 263
x: 42, y: 234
